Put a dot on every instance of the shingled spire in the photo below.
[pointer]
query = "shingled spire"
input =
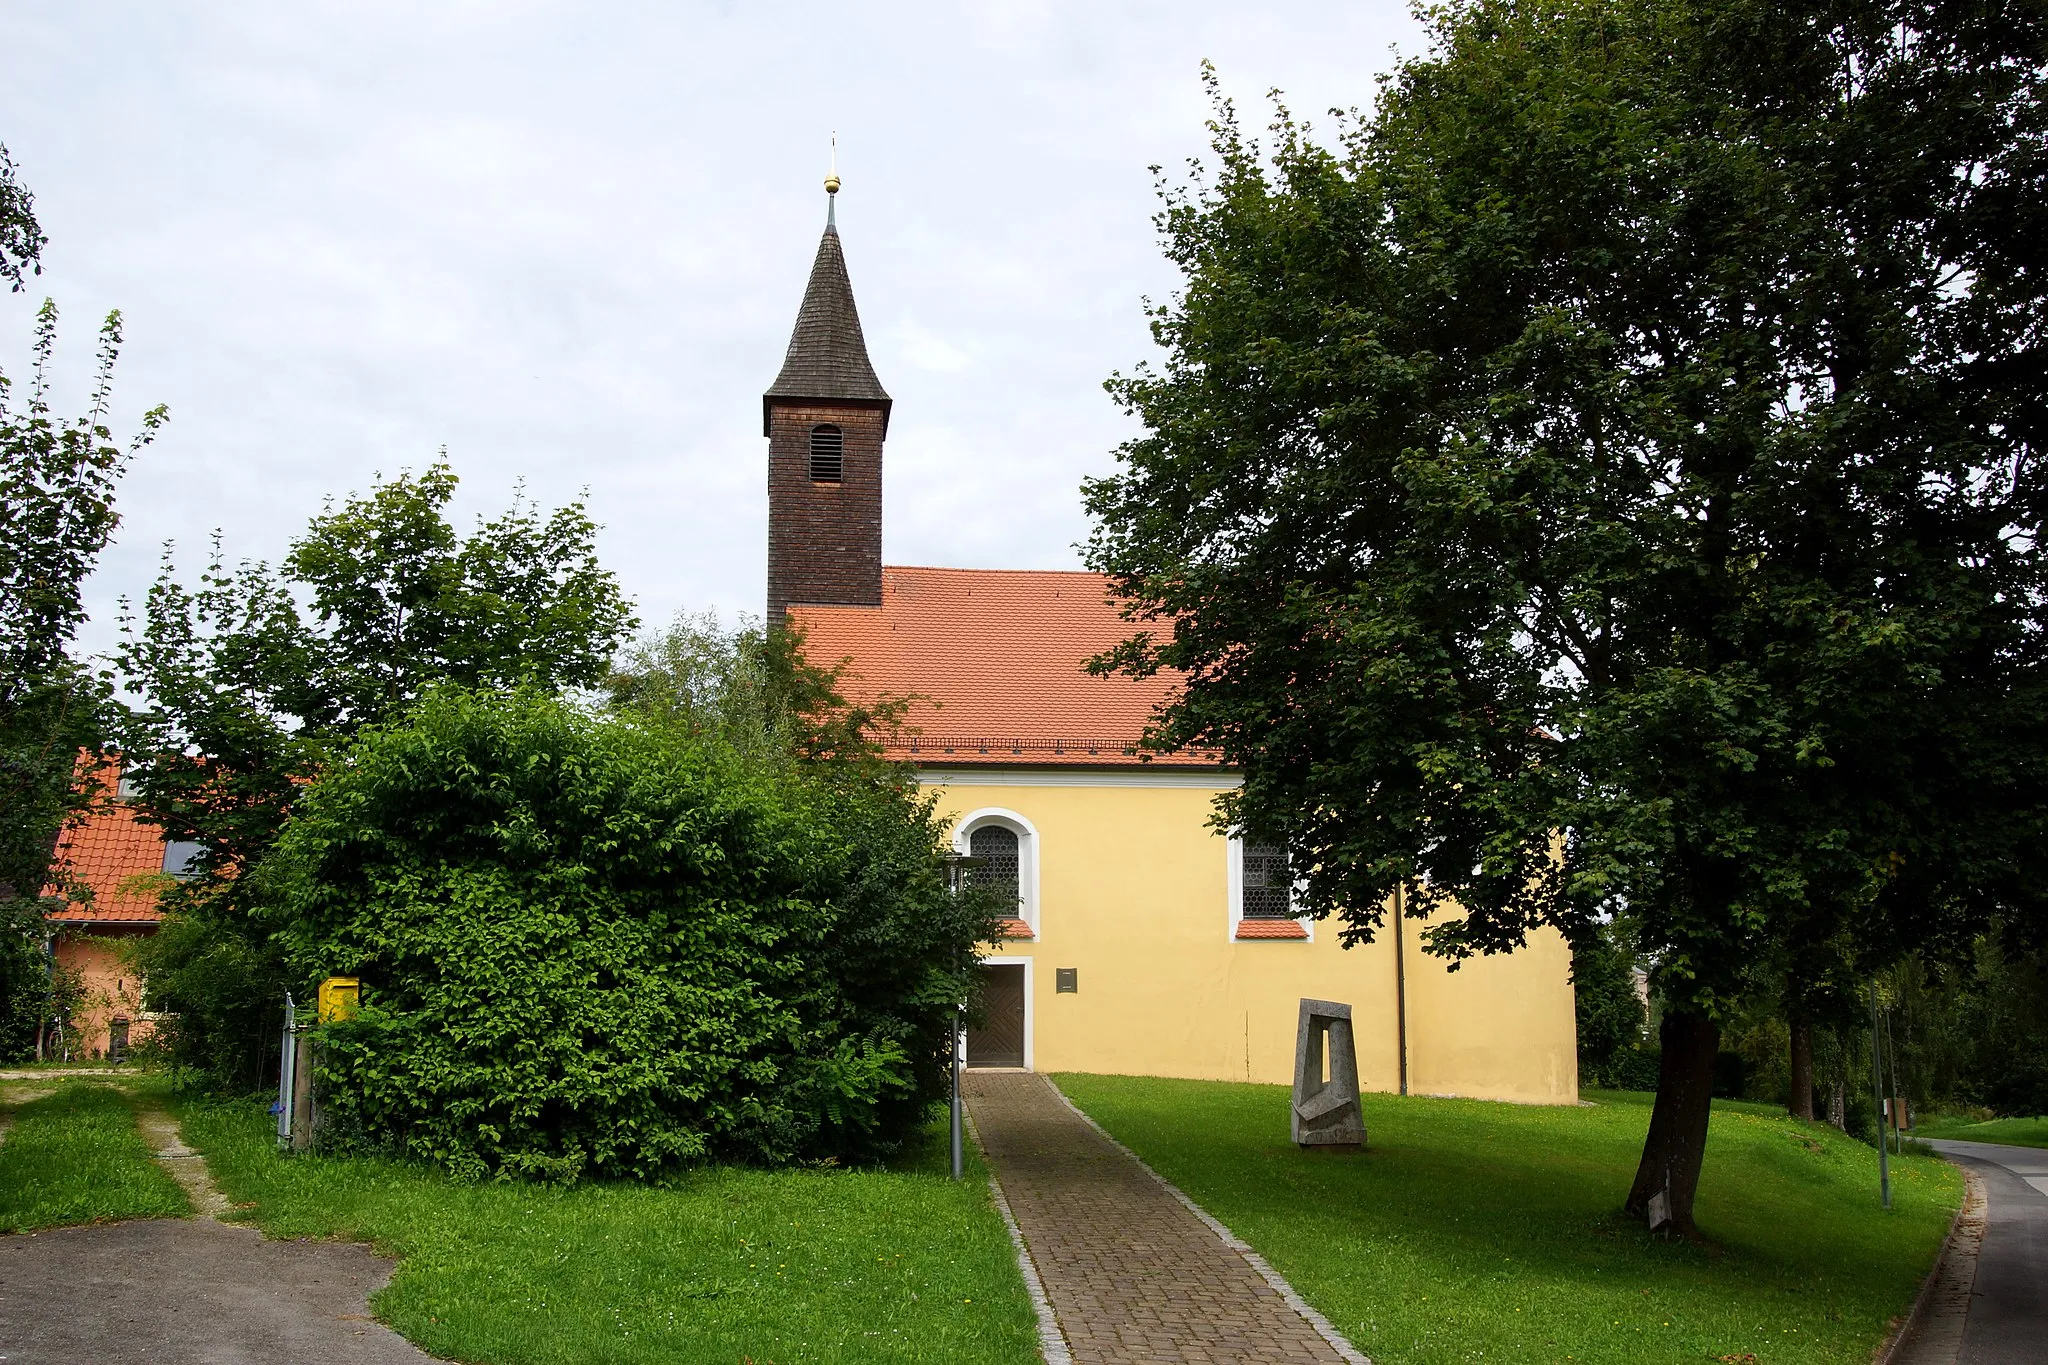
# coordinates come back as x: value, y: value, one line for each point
x: 828, y: 356
x: 825, y: 417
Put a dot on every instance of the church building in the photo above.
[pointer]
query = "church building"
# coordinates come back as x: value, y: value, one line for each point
x: 1144, y: 942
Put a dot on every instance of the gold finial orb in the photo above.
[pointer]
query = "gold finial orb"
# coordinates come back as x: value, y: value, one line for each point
x: 832, y: 184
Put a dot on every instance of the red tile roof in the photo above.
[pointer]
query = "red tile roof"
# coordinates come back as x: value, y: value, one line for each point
x: 107, y: 852
x: 999, y: 653
x: 1270, y: 928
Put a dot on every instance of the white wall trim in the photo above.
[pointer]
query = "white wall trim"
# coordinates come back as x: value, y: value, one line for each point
x: 1235, y: 911
x: 1030, y: 1003
x: 1198, y: 779
x: 1027, y: 853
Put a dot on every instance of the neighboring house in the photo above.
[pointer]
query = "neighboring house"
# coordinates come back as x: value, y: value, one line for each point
x: 121, y: 863
x: 1144, y: 941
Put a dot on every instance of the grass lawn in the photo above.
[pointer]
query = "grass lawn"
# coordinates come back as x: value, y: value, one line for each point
x: 74, y: 1156
x: 726, y: 1265
x: 2015, y: 1132
x: 1475, y: 1231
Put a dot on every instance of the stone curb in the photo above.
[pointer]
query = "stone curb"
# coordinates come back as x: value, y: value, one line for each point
x: 1337, y: 1342
x: 1052, y: 1340
x: 1974, y: 1200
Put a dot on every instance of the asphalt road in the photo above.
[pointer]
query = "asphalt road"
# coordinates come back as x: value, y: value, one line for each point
x: 176, y: 1291
x: 2008, y: 1317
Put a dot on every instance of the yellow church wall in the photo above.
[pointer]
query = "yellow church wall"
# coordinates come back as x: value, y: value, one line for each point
x: 1133, y: 892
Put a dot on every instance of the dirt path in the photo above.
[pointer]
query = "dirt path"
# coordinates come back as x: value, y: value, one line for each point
x: 183, y: 1164
x: 189, y: 1291
x: 45, y: 1073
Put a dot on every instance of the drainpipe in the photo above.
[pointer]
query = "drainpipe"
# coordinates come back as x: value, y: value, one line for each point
x: 1401, y: 984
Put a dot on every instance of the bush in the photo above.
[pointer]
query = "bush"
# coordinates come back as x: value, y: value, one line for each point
x: 1634, y: 1069
x: 600, y: 946
x: 1611, y: 1016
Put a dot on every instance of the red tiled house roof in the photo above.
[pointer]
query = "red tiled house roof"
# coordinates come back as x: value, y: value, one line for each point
x: 106, y: 853
x: 1001, y: 652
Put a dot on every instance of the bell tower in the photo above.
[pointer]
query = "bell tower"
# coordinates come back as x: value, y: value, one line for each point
x: 825, y: 417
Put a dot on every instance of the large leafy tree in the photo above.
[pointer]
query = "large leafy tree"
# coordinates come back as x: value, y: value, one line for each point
x: 1606, y: 483
x: 57, y: 482
x: 257, y: 678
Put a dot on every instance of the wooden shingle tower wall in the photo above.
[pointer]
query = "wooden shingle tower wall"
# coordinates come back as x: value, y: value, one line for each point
x: 825, y: 414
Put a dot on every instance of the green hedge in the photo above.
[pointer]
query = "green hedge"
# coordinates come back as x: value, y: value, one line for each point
x: 591, y: 946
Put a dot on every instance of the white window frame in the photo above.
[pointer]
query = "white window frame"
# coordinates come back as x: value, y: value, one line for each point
x: 1235, y: 858
x: 1027, y: 854
x: 1030, y: 1003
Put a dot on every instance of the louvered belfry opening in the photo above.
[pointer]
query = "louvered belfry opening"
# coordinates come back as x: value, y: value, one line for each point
x: 997, y: 848
x: 828, y: 453
x: 825, y: 417
x: 1268, y: 883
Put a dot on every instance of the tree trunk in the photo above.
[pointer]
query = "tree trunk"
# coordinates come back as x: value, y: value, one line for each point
x: 1678, y: 1123
x: 1801, y: 1104
x: 1838, y: 1105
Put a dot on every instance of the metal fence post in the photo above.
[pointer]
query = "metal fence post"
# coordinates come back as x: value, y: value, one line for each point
x: 287, y: 1077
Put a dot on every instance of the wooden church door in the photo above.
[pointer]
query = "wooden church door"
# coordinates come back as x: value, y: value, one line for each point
x: 1000, y: 1039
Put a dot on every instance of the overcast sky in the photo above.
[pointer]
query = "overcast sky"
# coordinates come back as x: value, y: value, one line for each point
x: 567, y: 242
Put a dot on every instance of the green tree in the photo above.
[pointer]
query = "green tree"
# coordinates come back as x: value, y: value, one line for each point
x: 755, y: 687
x: 1606, y: 482
x: 1973, y: 1033
x: 1610, y: 1014
x: 57, y: 483
x: 257, y: 679
x: 21, y: 237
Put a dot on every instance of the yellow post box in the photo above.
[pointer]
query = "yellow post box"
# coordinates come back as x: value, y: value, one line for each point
x: 339, y: 996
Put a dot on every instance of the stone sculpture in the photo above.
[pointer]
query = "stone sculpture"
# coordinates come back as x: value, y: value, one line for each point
x: 1326, y: 1113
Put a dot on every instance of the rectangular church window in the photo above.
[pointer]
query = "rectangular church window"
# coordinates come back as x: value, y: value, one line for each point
x: 1268, y: 883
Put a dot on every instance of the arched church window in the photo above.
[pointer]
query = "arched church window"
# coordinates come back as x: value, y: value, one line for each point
x: 996, y: 846
x: 828, y: 453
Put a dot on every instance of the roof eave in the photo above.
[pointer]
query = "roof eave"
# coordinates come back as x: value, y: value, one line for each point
x: 792, y: 400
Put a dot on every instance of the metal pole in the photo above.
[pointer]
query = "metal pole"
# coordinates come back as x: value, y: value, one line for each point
x: 956, y: 1094
x: 1891, y: 1066
x: 957, y: 866
x: 286, y: 1078
x: 1884, y: 1169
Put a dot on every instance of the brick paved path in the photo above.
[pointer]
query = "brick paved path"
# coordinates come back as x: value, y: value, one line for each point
x: 1134, y: 1277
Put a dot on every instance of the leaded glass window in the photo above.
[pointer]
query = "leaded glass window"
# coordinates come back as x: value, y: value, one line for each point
x: 1268, y: 883
x: 996, y: 846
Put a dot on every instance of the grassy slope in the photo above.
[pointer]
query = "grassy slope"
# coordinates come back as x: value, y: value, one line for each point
x: 774, y: 1266
x: 1475, y: 1231
x: 74, y: 1157
x: 2015, y: 1132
